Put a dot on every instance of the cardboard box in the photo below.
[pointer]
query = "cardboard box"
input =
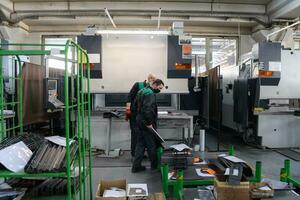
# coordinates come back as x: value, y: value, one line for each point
x: 156, y: 196
x: 137, y: 191
x: 106, y: 184
x: 224, y: 191
x: 257, y: 192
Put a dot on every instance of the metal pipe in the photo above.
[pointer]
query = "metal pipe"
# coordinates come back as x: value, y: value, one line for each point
x: 110, y: 18
x: 289, y: 26
x: 158, y: 20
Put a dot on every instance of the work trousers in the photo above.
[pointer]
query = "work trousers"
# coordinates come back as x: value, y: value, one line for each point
x: 145, y: 140
x: 134, y: 134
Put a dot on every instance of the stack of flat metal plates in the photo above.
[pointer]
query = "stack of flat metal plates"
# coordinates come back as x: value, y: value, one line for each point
x: 47, y: 156
x: 32, y: 141
x: 48, y: 187
x: 50, y: 157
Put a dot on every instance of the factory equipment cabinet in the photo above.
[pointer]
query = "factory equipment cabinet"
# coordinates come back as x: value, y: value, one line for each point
x: 79, y: 108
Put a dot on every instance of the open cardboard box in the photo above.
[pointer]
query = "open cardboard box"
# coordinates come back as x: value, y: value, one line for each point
x: 257, y: 193
x: 224, y: 191
x: 106, y: 184
x: 156, y: 196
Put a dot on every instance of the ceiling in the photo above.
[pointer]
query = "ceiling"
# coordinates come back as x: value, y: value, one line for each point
x: 260, y: 2
x: 217, y: 15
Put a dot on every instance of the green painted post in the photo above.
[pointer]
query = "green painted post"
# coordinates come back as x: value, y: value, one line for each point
x: 67, y: 120
x: 231, y: 150
x: 82, y: 122
x: 79, y: 130
x: 20, y: 95
x: 178, y: 187
x: 283, y: 175
x: 2, y: 97
x: 160, y: 152
x: 165, y: 179
x: 258, y: 171
x: 287, y: 166
x: 89, y: 126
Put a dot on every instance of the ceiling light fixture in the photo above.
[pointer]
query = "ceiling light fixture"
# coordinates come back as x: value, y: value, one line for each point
x: 133, y: 32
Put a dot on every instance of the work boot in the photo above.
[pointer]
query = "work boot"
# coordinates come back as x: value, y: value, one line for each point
x: 138, y: 169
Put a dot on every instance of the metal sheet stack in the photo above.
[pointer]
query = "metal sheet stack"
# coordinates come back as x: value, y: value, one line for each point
x: 51, y: 186
x: 50, y: 157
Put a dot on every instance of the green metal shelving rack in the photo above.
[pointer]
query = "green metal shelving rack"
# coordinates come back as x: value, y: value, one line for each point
x: 80, y: 108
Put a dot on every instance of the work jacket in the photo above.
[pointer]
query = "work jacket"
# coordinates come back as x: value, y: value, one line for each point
x: 133, y: 93
x: 146, y: 107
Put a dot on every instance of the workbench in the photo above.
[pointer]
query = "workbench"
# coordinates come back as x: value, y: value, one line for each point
x: 115, y: 133
x: 177, y: 120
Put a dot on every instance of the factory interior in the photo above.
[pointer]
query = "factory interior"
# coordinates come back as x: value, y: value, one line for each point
x: 149, y: 99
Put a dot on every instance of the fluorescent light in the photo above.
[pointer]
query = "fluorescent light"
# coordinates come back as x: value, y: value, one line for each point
x: 134, y: 32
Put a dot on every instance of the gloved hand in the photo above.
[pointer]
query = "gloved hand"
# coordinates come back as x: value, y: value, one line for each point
x: 127, y: 114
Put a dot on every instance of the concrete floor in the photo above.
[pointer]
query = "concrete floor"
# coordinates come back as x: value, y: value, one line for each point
x: 271, y: 162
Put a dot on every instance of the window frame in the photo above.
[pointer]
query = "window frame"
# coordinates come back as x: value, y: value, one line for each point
x: 236, y: 38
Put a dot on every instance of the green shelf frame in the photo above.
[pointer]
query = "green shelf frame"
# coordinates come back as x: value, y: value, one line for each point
x: 81, y: 108
x: 9, y: 174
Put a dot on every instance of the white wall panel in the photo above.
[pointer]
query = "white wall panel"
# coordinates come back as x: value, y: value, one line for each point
x: 129, y: 58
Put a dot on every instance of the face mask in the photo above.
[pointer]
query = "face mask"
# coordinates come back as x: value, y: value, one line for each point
x: 156, y: 91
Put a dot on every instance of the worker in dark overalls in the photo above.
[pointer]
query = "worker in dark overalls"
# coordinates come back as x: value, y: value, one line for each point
x: 131, y: 109
x: 146, y: 120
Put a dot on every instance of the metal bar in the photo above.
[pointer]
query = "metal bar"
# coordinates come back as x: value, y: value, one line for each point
x: 20, y: 95
x: 160, y: 152
x: 73, y: 106
x: 231, y: 150
x: 110, y: 18
x: 24, y: 52
x: 294, y: 24
x: 61, y: 59
x: 197, y: 182
x: 12, y: 128
x: 295, y: 182
x: 67, y: 119
x: 11, y: 103
x: 78, y: 129
x: 283, y: 176
x: 9, y: 174
x: 33, y: 44
x: 13, y: 78
x: 82, y: 123
x: 158, y: 20
x: 178, y: 187
x: 89, y: 127
x: 165, y: 179
x: 287, y: 166
x: 2, y: 97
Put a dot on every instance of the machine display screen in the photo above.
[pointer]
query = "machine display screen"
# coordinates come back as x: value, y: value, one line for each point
x: 52, y: 85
